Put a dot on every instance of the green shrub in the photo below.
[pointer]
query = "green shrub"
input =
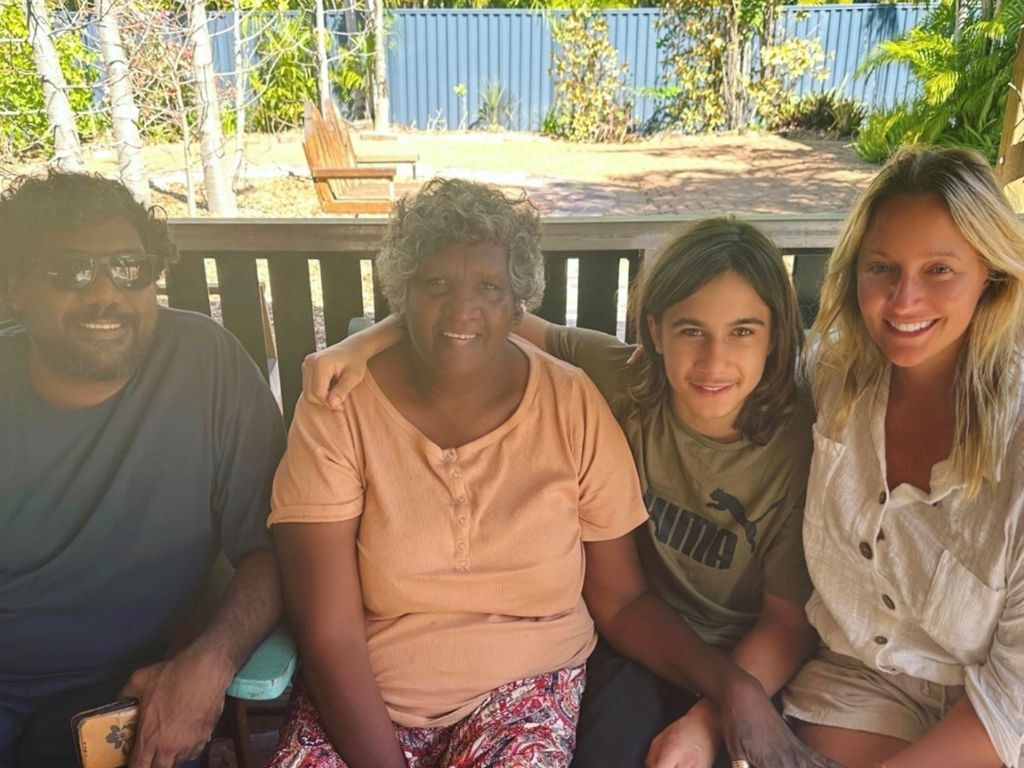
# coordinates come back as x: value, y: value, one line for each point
x: 495, y: 109
x: 847, y: 116
x: 782, y: 65
x: 351, y: 75
x: 962, y: 55
x: 708, y: 45
x: 590, y: 98
x: 24, y: 129
x: 692, y: 35
x: 285, y: 75
x: 883, y: 132
x: 664, y: 97
x: 826, y: 111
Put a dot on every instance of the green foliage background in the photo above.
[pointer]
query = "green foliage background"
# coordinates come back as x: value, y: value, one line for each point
x: 962, y: 55
x: 590, y: 95
x: 27, y: 131
x: 707, y: 44
x: 964, y: 70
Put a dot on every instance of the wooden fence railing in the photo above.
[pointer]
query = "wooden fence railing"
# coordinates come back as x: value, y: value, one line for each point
x: 289, y: 245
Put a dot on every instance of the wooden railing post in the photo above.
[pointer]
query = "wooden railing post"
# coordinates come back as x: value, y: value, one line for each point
x: 1010, y: 163
x: 339, y: 245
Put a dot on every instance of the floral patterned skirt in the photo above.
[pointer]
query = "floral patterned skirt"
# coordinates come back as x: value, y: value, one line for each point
x: 529, y: 723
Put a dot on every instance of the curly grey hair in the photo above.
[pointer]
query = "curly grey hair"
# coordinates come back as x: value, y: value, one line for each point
x: 449, y: 211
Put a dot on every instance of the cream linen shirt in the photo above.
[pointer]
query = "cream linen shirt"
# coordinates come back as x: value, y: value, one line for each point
x: 924, y: 584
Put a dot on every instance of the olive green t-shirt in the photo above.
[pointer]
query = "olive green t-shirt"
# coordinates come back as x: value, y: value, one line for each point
x: 724, y: 518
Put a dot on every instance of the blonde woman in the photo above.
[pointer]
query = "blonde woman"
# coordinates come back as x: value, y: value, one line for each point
x: 914, y: 523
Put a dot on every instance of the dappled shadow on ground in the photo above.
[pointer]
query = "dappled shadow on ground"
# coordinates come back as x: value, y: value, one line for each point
x: 570, y: 198
x: 795, y: 178
x: 752, y: 191
x: 752, y: 173
x: 749, y: 191
x: 730, y: 176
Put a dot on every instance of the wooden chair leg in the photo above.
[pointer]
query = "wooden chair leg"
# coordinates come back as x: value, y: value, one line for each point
x: 244, y: 757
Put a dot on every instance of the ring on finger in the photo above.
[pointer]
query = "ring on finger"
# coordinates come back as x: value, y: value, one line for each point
x: 740, y: 764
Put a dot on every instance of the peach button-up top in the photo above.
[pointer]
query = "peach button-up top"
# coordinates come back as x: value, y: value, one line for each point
x: 471, y: 558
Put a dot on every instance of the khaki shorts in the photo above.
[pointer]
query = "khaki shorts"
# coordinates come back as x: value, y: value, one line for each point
x: 842, y: 692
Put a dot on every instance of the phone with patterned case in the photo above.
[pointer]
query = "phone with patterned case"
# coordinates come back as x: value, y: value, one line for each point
x: 105, y: 735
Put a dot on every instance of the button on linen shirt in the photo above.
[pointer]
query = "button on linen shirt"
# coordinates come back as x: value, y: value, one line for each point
x: 925, y: 584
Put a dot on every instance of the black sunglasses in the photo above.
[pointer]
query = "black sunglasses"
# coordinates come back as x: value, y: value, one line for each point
x: 77, y: 271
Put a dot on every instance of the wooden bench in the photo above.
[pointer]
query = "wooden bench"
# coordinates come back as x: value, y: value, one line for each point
x: 338, y: 246
x: 335, y: 172
x: 376, y: 157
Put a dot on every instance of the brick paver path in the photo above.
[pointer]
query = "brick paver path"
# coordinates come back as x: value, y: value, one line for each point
x: 751, y: 173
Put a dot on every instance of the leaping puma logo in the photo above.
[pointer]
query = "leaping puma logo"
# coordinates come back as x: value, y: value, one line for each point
x: 726, y: 502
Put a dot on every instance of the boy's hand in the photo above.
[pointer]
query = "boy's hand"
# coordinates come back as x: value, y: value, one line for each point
x: 689, y: 742
x: 330, y: 375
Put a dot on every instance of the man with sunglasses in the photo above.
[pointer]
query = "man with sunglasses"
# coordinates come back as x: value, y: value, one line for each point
x: 136, y: 443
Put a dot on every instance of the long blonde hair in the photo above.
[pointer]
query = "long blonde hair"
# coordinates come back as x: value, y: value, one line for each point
x: 987, y: 382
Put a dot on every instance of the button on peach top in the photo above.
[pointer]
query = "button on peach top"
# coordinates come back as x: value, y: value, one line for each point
x: 471, y: 558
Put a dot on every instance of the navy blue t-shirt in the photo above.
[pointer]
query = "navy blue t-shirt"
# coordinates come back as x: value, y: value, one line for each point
x: 111, y: 516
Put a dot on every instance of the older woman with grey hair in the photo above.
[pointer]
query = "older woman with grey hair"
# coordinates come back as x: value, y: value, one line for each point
x: 449, y: 538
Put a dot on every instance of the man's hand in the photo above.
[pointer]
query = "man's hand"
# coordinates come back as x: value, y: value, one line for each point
x: 689, y: 742
x: 180, y: 701
x: 754, y: 731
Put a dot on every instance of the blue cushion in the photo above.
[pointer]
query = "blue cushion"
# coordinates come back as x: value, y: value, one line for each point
x: 269, y: 670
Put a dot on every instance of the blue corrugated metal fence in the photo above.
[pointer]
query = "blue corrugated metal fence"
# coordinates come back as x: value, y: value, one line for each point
x: 435, y: 51
x: 443, y: 63
x: 848, y: 33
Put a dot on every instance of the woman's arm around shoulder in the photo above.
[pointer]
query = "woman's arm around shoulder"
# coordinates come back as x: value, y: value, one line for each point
x: 324, y: 604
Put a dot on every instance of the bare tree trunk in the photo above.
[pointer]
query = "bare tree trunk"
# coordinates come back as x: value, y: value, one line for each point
x: 960, y: 11
x: 124, y: 113
x: 359, y: 98
x: 746, y: 76
x: 731, y: 68
x: 220, y: 198
x: 381, y: 102
x: 768, y: 24
x: 321, y: 57
x: 350, y: 19
x: 67, y: 151
x: 1010, y: 163
x: 186, y: 148
x: 241, y: 84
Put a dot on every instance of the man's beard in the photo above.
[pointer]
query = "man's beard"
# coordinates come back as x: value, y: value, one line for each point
x: 95, y: 359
